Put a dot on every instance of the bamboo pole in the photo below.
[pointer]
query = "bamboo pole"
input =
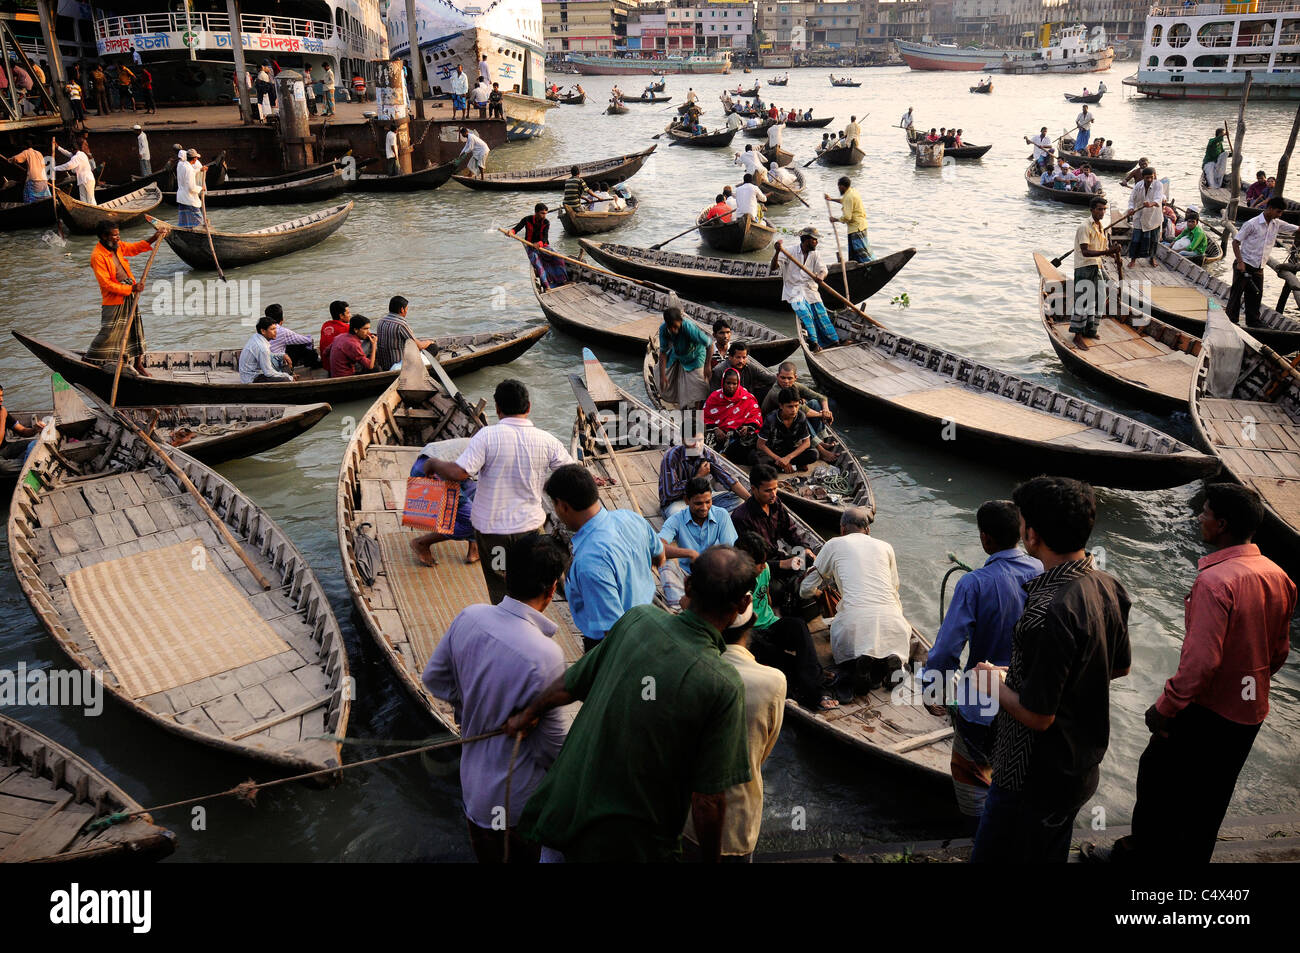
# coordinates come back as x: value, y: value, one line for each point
x: 839, y: 249
x: 54, y: 189
x: 1231, y: 212
x: 574, y: 261
x: 1284, y: 163
x: 135, y: 311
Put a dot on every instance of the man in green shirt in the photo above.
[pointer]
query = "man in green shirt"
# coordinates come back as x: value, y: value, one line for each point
x: 684, y: 358
x: 1212, y: 164
x: 1193, y: 242
x: 661, y: 731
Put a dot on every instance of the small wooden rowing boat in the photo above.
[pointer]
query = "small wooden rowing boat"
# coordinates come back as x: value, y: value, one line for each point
x: 1179, y: 292
x: 966, y: 151
x: 1065, y: 149
x: 307, y: 190
x: 778, y: 155
x: 657, y: 87
x: 106, y: 193
x: 580, y: 221
x: 647, y: 100
x: 612, y: 170
x: 751, y: 93
x: 1090, y: 98
x: 841, y: 155
x: 1147, y: 361
x: 798, y: 489
x: 779, y: 82
x: 572, y: 99
x: 16, y: 215
x: 985, y: 88
x: 617, y: 312
x: 281, y: 178
x: 404, y: 605
x: 51, y: 794
x: 422, y: 181
x: 705, y: 140
x: 245, y: 248
x: 616, y: 109
x: 759, y: 131
x: 212, y: 377
x: 741, y: 281
x: 1216, y: 200
x: 875, y: 724
x: 743, y: 233
x: 108, y: 546
x: 783, y: 194
x: 1066, y: 196
x: 929, y: 155
x: 122, y: 212
x: 955, y: 402
x: 809, y: 123
x: 1253, y: 427
x: 845, y: 81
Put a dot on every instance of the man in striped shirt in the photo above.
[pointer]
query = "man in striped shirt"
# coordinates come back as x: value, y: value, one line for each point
x: 511, y: 461
x: 575, y: 188
x: 393, y: 333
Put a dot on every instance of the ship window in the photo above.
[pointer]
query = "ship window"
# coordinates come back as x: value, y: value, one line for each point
x: 1215, y: 34
x: 1175, y: 62
x: 1257, y: 33
x: 1153, y: 61
x: 1253, y: 59
x: 1210, y: 61
x: 1179, y: 34
x: 1290, y: 33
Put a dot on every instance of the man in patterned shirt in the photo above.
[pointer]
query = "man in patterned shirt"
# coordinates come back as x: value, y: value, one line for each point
x: 393, y: 333
x: 1053, y: 723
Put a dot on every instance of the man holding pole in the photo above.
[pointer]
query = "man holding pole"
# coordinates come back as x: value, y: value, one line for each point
x: 1250, y: 247
x: 853, y: 215
x: 800, y: 288
x: 118, y: 291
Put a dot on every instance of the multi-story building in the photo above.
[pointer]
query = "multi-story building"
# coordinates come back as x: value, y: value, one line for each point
x: 833, y: 24
x: 777, y: 21
x: 585, y: 25
x: 691, y: 25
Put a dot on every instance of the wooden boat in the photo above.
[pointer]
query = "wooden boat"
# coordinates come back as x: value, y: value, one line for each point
x: 610, y: 310
x: 1179, y: 292
x: 809, y: 123
x: 16, y: 215
x: 245, y: 248
x: 985, y: 88
x: 296, y: 175
x: 647, y: 100
x: 210, y: 433
x: 751, y: 93
x: 1216, y: 200
x: 1144, y: 360
x: 1090, y: 99
x: 424, y: 180
x: 404, y: 605
x: 705, y: 140
x: 105, y: 542
x: 844, y: 82
x: 612, y: 170
x: 779, y: 156
x: 51, y: 794
x: 285, y: 193
x: 212, y: 377
x: 966, y: 151
x: 657, y: 87
x: 1254, y: 430
x: 106, y: 193
x: 796, y: 489
x: 779, y: 82
x: 122, y: 212
x: 929, y: 155
x: 757, y: 132
x: 579, y: 221
x: 616, y: 109
x: 736, y: 280
x: 572, y: 99
x: 906, y: 735
x: 1065, y: 149
x: 743, y: 233
x: 1121, y: 232
x: 1039, y: 191
x: 780, y: 194
x: 841, y: 155
x: 957, y: 403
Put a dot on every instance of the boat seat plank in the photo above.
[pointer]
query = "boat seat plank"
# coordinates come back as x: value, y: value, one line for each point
x: 982, y: 411
x: 1282, y: 495
x: 51, y: 834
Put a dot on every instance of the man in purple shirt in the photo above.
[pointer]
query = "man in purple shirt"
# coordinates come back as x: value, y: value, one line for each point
x: 986, y: 605
x: 492, y: 662
x: 296, y: 347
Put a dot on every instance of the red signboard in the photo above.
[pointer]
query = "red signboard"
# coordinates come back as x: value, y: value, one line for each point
x: 681, y: 31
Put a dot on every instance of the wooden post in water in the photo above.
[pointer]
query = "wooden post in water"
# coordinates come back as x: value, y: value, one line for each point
x: 1284, y: 162
x: 57, y: 77
x: 392, y: 109
x: 237, y: 48
x: 1230, y: 214
x: 416, y: 64
x: 297, y: 145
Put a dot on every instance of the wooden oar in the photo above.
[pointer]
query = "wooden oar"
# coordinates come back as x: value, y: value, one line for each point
x: 581, y: 264
x: 675, y: 237
x: 1056, y: 262
x: 207, y: 225
x: 130, y: 323
x: 193, y: 491
x: 54, y: 189
x: 825, y: 287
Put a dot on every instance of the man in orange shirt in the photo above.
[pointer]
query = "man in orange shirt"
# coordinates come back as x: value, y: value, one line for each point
x: 118, y: 289
x: 719, y: 209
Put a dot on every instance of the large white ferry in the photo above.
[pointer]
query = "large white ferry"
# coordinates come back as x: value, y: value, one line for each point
x: 1204, y: 50
x: 188, y: 51
x: 509, y: 32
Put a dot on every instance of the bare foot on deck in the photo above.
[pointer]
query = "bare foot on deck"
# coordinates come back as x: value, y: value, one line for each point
x: 140, y: 369
x: 471, y: 553
x: 1079, y: 343
x: 424, y: 552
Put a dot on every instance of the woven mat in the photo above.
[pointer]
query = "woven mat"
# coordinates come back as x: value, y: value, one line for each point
x: 160, y: 623
x: 1184, y: 301
x: 430, y: 597
x: 970, y: 409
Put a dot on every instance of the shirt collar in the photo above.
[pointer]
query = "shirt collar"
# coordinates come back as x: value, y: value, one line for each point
x: 704, y: 627
x: 1058, y: 575
x: 1012, y: 554
x: 1226, y: 553
x: 528, y: 614
x: 712, y: 516
x: 590, y: 526
x: 517, y: 421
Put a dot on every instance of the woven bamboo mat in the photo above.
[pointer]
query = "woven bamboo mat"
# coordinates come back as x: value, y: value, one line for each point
x: 430, y: 597
x: 970, y: 409
x: 161, y: 623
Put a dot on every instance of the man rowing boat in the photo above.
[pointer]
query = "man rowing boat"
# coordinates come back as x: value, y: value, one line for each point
x: 118, y: 290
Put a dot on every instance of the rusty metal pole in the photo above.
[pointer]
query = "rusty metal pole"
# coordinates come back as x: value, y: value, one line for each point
x: 296, y: 142
x: 57, y: 77
x: 413, y: 55
x: 392, y: 109
x: 237, y: 47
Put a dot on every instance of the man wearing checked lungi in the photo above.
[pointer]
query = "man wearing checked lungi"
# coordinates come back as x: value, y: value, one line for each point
x: 118, y: 290
x: 1088, y: 304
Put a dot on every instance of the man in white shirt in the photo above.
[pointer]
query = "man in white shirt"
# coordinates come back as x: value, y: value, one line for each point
x: 906, y: 122
x: 1084, y: 121
x: 729, y: 196
x: 774, y: 137
x: 749, y: 198
x: 799, y: 288
x: 870, y: 638
x: 1251, y: 247
x: 1147, y: 202
x: 782, y: 177
x: 390, y: 149
x: 459, y: 92
x: 475, y: 150
x: 142, y: 149
x: 79, y: 165
x: 511, y: 461
x: 734, y: 122
x: 852, y: 131
x: 1042, y: 144
x: 255, y: 363
x: 749, y: 160
x: 328, y: 85
x: 690, y: 95
x: 189, y: 190
x: 480, y: 98
x: 485, y: 72
x: 1107, y: 151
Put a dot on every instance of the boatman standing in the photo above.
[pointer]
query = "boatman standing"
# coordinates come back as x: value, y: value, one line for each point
x: 485, y: 71
x: 79, y: 165
x: 800, y: 289
x: 36, y: 187
x: 854, y: 216
x: 390, y: 149
x: 1250, y: 246
x: 1146, y: 203
x: 118, y: 289
x: 476, y: 151
x: 1090, y: 244
x: 1084, y: 121
x: 459, y: 90
x: 906, y: 121
x: 1213, y: 162
x: 1042, y: 144
x: 142, y: 148
x: 852, y: 131
x: 189, y: 190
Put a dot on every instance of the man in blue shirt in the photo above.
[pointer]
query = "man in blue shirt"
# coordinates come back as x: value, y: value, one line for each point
x: 614, y: 552
x: 986, y: 604
x: 689, y: 532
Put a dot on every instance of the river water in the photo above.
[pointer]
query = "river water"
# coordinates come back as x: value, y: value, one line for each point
x: 971, y: 287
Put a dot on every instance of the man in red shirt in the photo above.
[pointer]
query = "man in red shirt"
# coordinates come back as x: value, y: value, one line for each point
x: 347, y: 355
x: 340, y: 318
x: 1238, y: 621
x: 719, y: 209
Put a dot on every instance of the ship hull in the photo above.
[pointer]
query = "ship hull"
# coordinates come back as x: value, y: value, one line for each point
x: 921, y: 56
x: 616, y: 66
x: 1084, y: 63
x: 1159, y: 84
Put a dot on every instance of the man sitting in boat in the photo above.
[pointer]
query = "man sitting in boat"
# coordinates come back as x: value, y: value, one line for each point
x: 294, y: 347
x: 750, y: 199
x: 785, y: 439
x: 1108, y: 150
x: 1191, y: 240
x: 347, y: 354
x: 14, y: 437
x: 870, y: 638
x: 782, y: 177
x: 1095, y: 147
x: 392, y: 334
x: 732, y: 418
x: 689, y: 460
x: 932, y: 136
x: 256, y: 365
x: 647, y: 93
x: 734, y: 122
x: 719, y: 209
x: 1266, y: 193
x: 814, y: 406
x: 738, y: 360
x: 956, y: 140
x: 550, y: 270
x: 1086, y: 180
x: 689, y: 532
